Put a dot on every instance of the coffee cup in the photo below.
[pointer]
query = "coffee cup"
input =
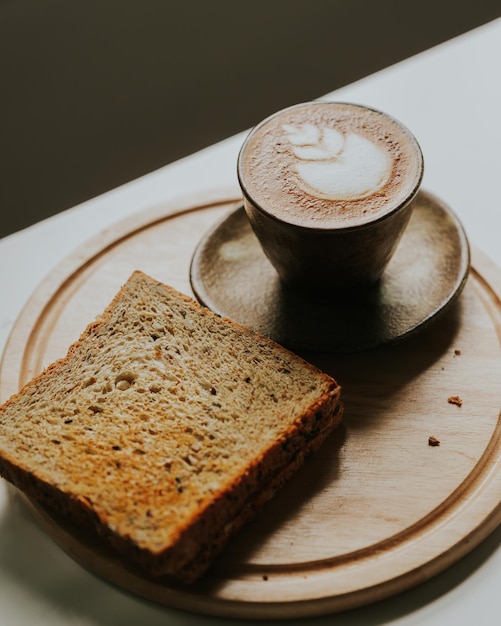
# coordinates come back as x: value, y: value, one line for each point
x: 328, y: 189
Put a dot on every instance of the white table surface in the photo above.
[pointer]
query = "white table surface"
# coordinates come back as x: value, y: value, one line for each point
x: 450, y: 97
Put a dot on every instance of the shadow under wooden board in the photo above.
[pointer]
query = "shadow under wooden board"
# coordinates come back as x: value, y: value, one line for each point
x: 378, y: 509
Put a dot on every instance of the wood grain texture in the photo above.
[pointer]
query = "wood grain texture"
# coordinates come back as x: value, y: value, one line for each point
x: 377, y: 510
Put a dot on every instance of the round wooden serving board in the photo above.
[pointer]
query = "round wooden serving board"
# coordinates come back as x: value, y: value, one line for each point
x: 377, y: 510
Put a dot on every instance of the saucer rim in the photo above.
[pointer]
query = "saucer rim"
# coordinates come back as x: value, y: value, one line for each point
x: 462, y: 271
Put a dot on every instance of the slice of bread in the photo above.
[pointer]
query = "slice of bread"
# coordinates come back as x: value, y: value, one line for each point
x: 165, y: 428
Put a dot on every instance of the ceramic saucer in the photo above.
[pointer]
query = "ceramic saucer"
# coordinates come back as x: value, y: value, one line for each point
x: 231, y: 275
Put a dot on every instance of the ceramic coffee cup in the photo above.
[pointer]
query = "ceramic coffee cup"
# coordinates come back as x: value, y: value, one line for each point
x: 328, y: 189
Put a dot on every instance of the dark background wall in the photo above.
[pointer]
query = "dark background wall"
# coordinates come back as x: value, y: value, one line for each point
x: 95, y: 93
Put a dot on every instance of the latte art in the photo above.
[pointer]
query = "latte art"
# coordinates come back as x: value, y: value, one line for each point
x: 337, y: 166
x: 329, y: 165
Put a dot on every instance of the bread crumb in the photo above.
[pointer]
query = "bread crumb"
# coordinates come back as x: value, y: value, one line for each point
x: 455, y: 400
x: 457, y: 352
x: 433, y: 441
x: 265, y: 577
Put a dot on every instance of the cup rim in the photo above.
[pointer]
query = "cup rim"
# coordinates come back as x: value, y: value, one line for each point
x: 325, y: 229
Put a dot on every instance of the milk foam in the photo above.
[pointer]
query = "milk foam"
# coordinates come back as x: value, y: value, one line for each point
x: 337, y: 166
x: 329, y: 165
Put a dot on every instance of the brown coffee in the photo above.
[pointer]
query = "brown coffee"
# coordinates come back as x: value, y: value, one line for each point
x: 329, y: 165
